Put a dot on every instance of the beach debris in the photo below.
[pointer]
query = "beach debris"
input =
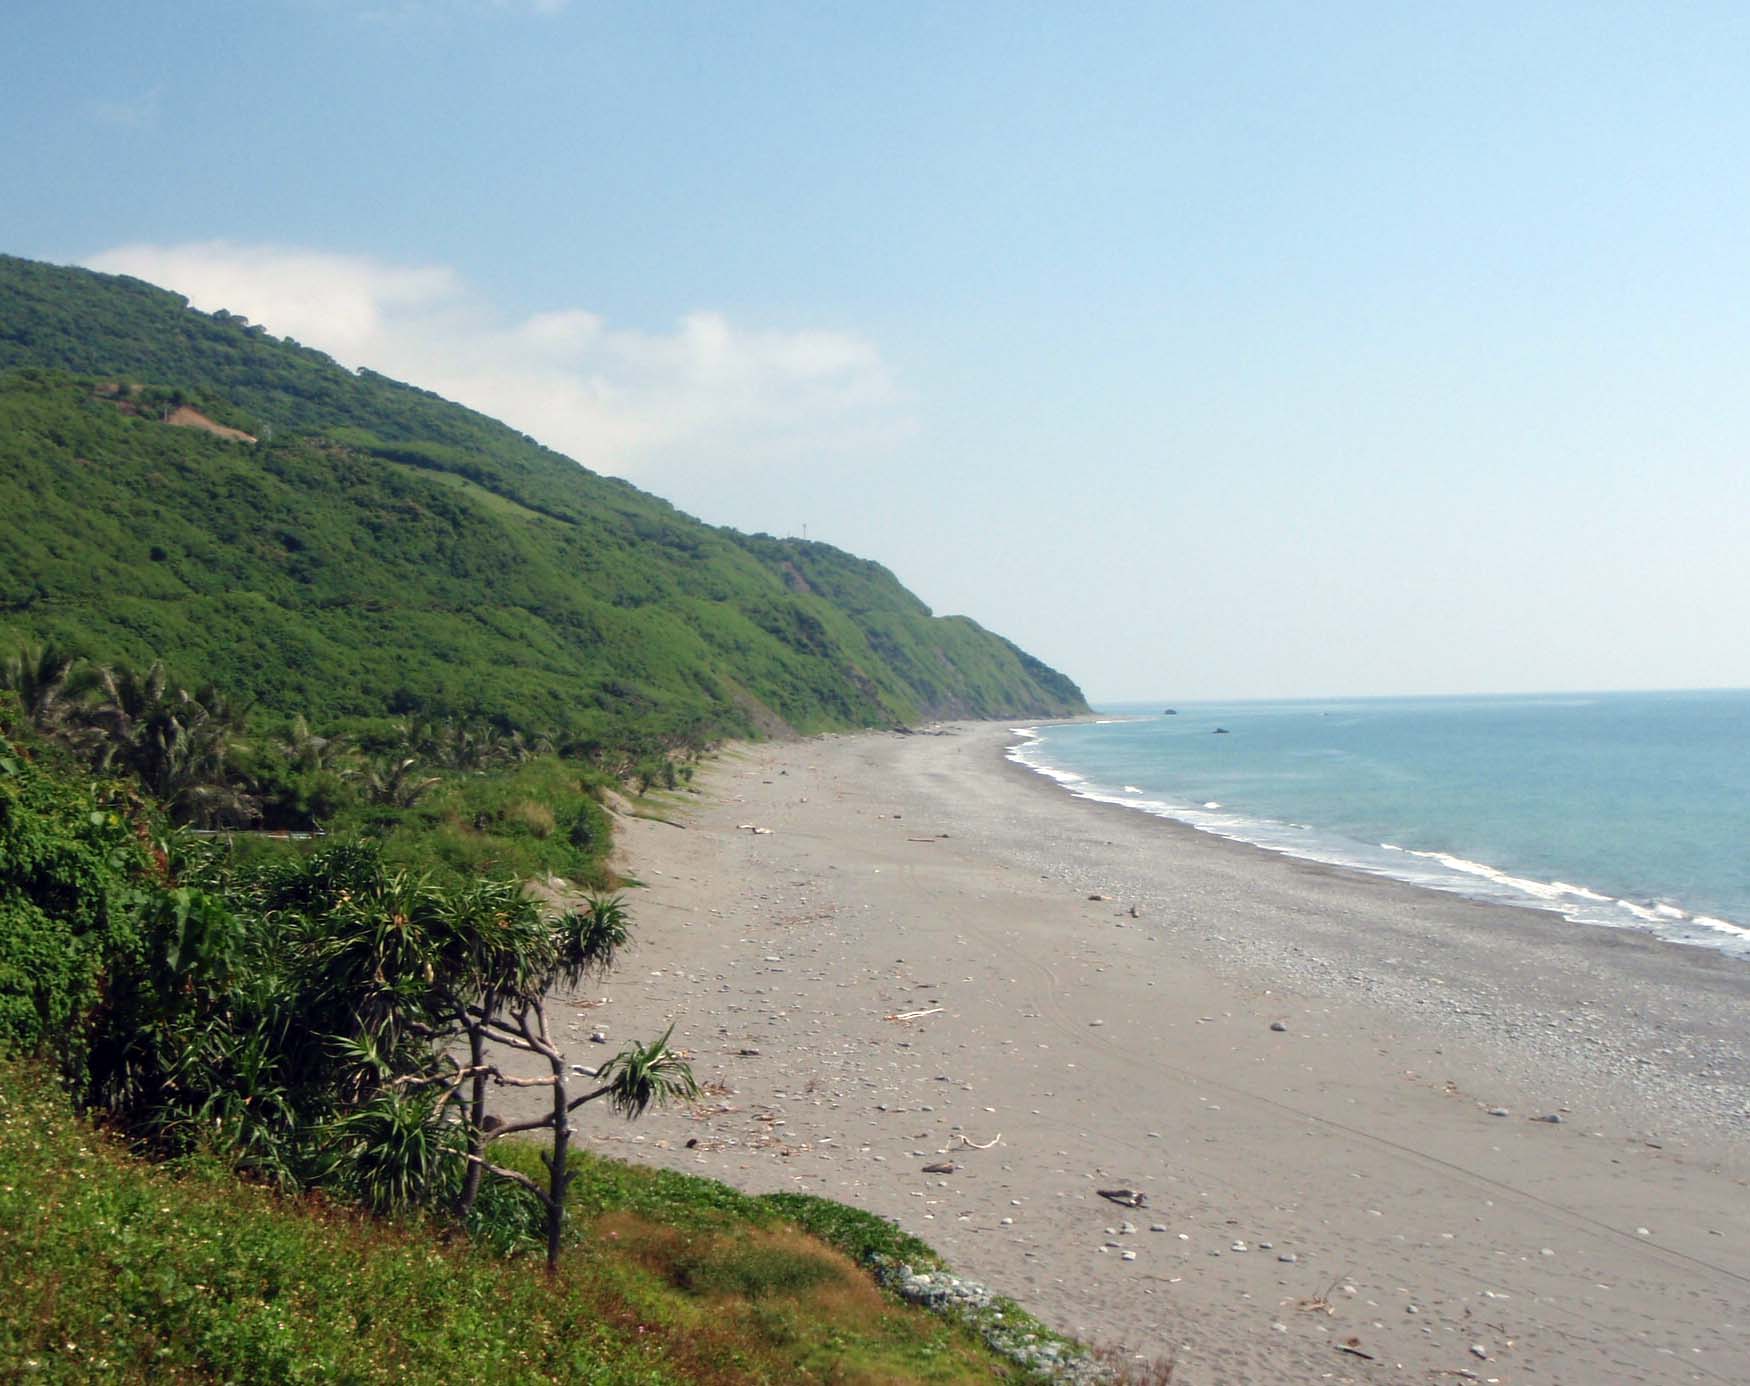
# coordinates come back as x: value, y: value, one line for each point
x: 1129, y: 1198
x: 1280, y: 1027
x: 1319, y: 1303
x: 1353, y: 1347
x: 1135, y: 913
x: 748, y: 1052
x: 1499, y: 1112
x: 916, y: 1015
x: 968, y: 1141
x: 1240, y: 1246
x: 1553, y: 1118
x: 1097, y: 896
x: 1479, y: 1350
x: 941, y: 1167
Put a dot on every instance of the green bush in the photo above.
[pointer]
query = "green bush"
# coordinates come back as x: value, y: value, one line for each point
x: 74, y: 886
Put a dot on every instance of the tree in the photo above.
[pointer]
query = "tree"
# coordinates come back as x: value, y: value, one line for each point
x: 399, y: 973
x: 47, y: 682
x: 178, y: 746
x: 394, y: 781
x: 509, y: 1009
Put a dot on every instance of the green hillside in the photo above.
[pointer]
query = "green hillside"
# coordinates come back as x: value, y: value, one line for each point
x: 383, y: 550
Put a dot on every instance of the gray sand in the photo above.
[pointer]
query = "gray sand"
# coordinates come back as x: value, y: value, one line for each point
x: 1355, y: 1154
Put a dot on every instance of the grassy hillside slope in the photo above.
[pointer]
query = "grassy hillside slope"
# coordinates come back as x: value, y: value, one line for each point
x: 121, y: 1271
x: 381, y: 549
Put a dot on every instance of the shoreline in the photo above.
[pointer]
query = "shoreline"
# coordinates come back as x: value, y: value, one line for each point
x: 1352, y: 1147
x: 1665, y: 977
x: 1480, y: 881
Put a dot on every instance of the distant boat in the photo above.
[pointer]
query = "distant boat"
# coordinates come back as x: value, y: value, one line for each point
x: 1220, y: 731
x: 1171, y: 712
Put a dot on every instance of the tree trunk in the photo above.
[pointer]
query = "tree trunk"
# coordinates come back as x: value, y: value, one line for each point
x: 558, y: 1171
x: 476, y: 1123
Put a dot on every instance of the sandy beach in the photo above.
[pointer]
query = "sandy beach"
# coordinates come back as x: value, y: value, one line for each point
x: 888, y: 951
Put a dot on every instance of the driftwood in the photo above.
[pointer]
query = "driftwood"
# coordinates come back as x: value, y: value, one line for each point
x: 941, y: 1167
x: 915, y: 1015
x: 1130, y: 1198
x: 966, y: 1141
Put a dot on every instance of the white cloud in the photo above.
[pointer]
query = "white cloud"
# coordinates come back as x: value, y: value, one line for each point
x: 708, y: 391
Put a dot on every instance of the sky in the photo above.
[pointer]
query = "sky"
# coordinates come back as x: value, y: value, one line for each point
x: 1205, y: 350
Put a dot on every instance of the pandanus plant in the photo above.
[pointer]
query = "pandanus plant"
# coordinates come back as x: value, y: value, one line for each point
x: 510, y: 1010
x: 400, y: 972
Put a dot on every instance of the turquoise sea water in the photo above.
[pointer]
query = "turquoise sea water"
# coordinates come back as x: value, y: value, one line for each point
x: 1628, y: 810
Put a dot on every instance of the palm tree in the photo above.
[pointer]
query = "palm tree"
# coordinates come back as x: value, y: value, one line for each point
x: 49, y: 683
x: 305, y: 751
x: 179, y: 747
x: 394, y: 781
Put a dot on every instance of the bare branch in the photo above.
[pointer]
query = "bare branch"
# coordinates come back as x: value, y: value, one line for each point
x: 515, y: 1176
x: 577, y: 1102
x: 510, y: 1128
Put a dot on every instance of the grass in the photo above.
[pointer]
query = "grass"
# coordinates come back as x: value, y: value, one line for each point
x: 120, y: 1270
x: 539, y: 818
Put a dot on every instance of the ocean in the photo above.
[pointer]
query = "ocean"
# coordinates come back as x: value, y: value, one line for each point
x: 1620, y: 810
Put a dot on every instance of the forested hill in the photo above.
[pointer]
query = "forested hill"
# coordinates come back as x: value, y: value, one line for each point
x: 378, y: 549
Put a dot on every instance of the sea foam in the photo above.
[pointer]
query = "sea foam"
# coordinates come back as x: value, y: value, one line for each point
x: 1443, y: 871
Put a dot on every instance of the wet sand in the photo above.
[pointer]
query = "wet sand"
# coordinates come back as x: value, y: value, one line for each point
x: 909, y: 959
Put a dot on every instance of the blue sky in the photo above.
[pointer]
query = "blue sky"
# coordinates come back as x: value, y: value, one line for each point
x: 1204, y: 350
